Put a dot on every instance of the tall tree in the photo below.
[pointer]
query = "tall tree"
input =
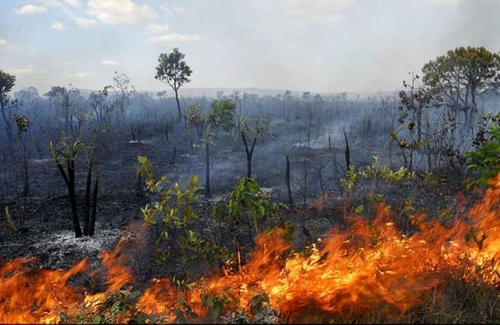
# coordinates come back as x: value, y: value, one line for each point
x: 458, y: 77
x: 173, y: 70
x: 220, y: 118
x: 222, y: 115
x: 195, y: 119
x: 7, y: 82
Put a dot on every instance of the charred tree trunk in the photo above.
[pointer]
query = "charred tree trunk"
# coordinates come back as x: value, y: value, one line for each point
x: 93, y: 212
x: 320, y: 177
x: 287, y: 180
x: 207, y: 175
x: 8, y: 125
x: 249, y: 165
x: 90, y: 207
x: 249, y: 153
x: 166, y: 133
x: 86, y: 217
x: 347, y: 152
x: 69, y: 180
x: 72, y: 198
x: 304, y: 200
x: 178, y: 106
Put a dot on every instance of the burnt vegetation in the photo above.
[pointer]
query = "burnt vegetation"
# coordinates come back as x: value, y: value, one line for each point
x: 209, y: 175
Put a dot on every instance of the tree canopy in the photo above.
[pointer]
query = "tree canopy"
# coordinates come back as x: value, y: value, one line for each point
x: 7, y: 82
x: 458, y: 77
x: 222, y: 114
x: 173, y: 70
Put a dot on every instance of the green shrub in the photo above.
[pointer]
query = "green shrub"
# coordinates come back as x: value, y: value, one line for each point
x: 485, y: 159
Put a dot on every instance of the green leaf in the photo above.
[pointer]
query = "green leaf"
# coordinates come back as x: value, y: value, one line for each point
x: 194, y: 180
x: 116, y: 306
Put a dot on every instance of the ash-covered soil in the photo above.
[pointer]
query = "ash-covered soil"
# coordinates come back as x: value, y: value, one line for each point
x: 46, y: 230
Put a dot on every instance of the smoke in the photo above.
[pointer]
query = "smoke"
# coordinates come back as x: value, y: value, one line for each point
x: 477, y: 24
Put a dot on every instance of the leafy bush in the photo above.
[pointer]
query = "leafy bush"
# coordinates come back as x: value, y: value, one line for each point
x: 175, y: 211
x: 485, y: 159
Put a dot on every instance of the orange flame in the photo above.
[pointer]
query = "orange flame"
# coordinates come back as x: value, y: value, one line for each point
x: 30, y: 294
x: 372, y: 264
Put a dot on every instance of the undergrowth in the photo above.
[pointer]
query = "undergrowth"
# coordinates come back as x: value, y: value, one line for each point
x: 453, y: 300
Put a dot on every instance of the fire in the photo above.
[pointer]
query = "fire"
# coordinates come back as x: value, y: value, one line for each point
x: 30, y: 295
x: 370, y: 265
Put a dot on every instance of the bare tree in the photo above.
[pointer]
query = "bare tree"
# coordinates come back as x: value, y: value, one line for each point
x: 124, y: 92
x: 250, y: 129
x: 101, y: 108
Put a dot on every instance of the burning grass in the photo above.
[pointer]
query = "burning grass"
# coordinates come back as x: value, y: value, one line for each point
x: 368, y: 273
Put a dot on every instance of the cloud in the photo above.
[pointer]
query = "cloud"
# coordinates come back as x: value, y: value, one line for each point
x: 77, y: 77
x: 84, y: 75
x: 5, y: 45
x: 178, y: 9
x: 57, y: 25
x: 110, y: 62
x: 320, y: 7
x: 73, y: 3
x: 166, y: 38
x: 120, y: 12
x: 27, y: 71
x: 272, y: 25
x: 51, y: 3
x: 30, y: 10
x: 446, y: 2
x: 83, y: 22
x: 172, y: 10
x: 156, y: 28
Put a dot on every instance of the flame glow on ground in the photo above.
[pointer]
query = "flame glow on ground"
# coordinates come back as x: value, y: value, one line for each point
x: 368, y: 266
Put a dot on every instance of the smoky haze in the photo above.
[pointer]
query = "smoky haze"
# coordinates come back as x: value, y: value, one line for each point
x: 318, y: 46
x: 314, y: 131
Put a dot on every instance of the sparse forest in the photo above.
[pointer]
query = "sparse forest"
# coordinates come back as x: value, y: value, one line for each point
x: 299, y: 207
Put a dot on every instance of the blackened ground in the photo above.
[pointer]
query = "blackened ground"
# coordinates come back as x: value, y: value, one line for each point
x: 46, y: 229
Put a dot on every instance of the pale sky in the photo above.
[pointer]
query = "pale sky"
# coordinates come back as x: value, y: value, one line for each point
x: 324, y: 46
